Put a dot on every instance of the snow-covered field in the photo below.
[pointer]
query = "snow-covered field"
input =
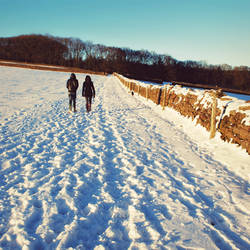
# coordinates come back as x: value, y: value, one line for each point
x: 125, y: 176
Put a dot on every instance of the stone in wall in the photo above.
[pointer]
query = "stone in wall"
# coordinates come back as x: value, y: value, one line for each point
x: 233, y: 129
x: 153, y: 95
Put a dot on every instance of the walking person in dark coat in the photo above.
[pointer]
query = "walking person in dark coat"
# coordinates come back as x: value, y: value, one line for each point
x: 88, y: 91
x: 72, y: 86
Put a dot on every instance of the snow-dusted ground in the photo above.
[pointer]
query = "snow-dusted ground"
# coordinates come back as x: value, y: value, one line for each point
x: 125, y: 176
x: 32, y: 64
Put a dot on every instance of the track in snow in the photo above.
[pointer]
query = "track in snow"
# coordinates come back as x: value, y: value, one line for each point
x: 118, y: 177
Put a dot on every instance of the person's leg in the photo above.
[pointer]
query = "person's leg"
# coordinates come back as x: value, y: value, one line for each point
x: 74, y: 102
x: 88, y: 103
x: 86, y: 98
x: 70, y: 102
x: 90, y: 98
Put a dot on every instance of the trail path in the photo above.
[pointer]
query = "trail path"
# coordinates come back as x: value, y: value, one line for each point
x: 116, y: 178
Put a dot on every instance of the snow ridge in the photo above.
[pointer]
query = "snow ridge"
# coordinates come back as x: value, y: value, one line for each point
x: 119, y: 177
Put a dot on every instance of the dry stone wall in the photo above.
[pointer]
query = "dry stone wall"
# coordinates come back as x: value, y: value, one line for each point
x: 232, y: 115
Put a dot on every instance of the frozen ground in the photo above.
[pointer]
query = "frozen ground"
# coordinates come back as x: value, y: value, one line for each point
x: 125, y: 176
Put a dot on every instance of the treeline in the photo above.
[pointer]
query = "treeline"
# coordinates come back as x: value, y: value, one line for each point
x: 138, y: 64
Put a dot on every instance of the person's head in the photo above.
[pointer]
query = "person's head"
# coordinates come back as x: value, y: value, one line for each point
x: 88, y: 79
x: 73, y: 76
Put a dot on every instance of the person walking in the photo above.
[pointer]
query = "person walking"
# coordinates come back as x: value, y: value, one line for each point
x: 88, y: 91
x: 72, y: 86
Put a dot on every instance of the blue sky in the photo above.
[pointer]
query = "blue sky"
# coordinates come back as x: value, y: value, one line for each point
x: 215, y: 31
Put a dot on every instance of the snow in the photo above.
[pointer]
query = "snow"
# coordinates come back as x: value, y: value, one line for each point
x: 239, y: 96
x: 127, y: 175
x: 32, y: 64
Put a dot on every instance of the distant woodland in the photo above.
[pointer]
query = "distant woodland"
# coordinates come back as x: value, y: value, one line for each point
x: 137, y: 64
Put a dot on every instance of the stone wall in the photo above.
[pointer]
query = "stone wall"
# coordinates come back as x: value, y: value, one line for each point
x: 232, y: 115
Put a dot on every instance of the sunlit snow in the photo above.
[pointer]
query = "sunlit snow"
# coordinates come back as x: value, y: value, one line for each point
x: 127, y: 175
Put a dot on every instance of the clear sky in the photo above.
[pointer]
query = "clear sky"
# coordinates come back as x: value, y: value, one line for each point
x: 215, y: 31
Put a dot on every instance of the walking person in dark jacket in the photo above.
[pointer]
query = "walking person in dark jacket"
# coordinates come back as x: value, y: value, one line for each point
x: 88, y: 91
x: 72, y: 86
